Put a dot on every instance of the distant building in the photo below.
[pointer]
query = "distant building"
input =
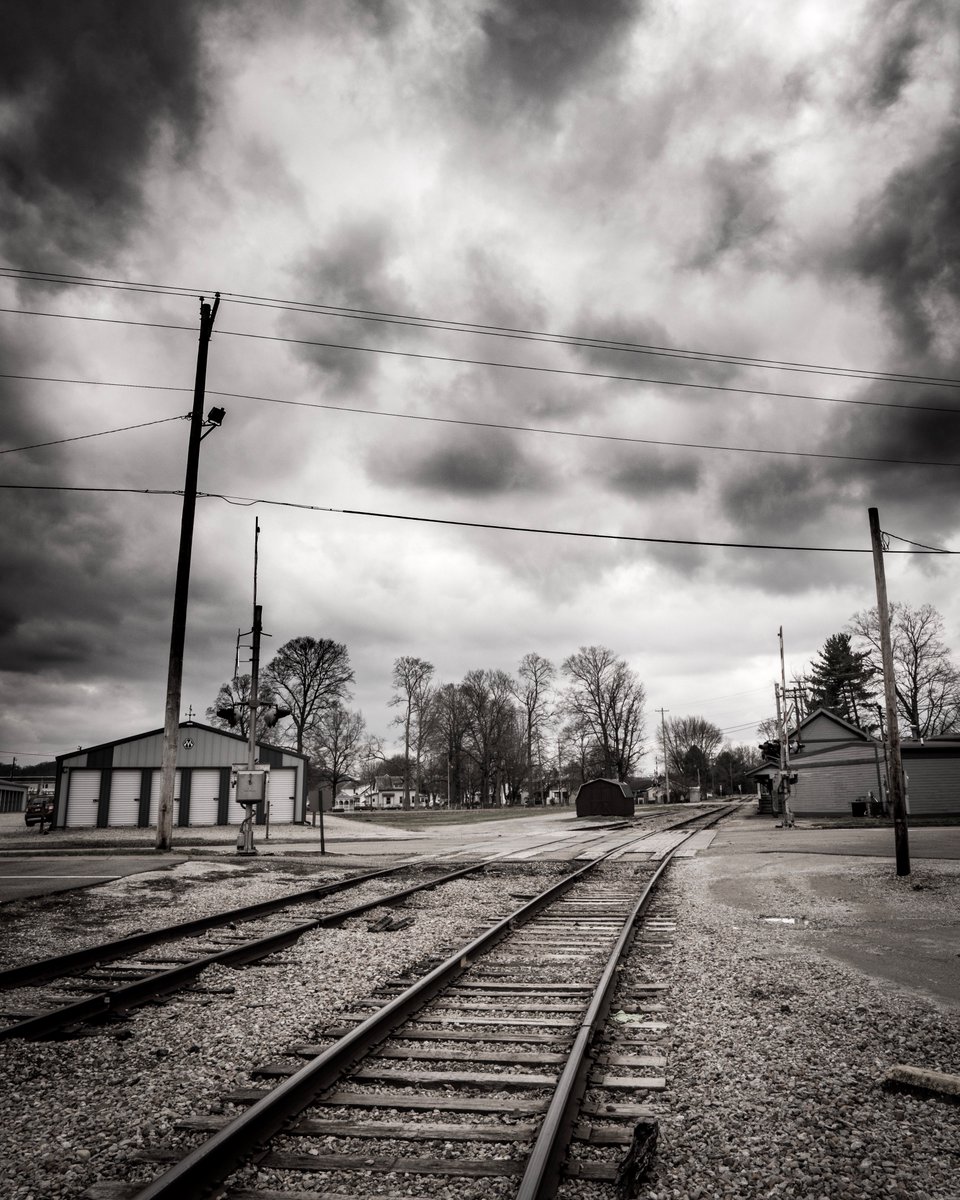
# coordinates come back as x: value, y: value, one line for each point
x: 838, y: 765
x: 13, y: 796
x: 118, y: 783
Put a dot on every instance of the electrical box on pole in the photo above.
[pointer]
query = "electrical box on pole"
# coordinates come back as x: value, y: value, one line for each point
x: 251, y: 786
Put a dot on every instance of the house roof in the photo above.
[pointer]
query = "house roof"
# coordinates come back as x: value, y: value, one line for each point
x: 847, y: 726
x: 136, y: 737
x: 624, y: 787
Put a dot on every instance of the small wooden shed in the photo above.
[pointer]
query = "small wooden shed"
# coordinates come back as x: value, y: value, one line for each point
x: 604, y: 798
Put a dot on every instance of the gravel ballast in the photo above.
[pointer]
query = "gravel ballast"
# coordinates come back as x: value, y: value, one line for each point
x: 776, y: 1052
x: 73, y: 1111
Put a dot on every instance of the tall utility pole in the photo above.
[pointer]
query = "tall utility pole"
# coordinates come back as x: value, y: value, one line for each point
x: 785, y: 742
x: 666, y: 750
x: 171, y: 724
x: 892, y: 744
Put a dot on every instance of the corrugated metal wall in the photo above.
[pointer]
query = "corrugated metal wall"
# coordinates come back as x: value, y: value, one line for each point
x: 933, y: 784
x: 114, y: 781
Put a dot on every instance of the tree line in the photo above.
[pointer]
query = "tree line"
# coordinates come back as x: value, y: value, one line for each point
x: 488, y: 736
x: 491, y: 736
x: 846, y: 677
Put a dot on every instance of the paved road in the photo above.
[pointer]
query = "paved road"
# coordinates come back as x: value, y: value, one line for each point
x: 35, y: 876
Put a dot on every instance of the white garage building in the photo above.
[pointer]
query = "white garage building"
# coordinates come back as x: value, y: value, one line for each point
x: 118, y: 783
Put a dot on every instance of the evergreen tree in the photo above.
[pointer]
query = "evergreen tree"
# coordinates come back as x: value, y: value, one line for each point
x: 841, y: 680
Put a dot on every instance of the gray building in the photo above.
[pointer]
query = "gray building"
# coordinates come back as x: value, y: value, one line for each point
x: 837, y: 765
x: 13, y: 796
x: 118, y: 783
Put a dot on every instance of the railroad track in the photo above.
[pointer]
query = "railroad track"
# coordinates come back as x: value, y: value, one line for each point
x: 102, y: 981
x: 488, y: 1076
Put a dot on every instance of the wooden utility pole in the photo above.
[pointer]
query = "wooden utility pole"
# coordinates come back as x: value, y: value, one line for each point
x: 666, y: 750
x: 178, y: 629
x: 892, y: 743
x: 784, y: 741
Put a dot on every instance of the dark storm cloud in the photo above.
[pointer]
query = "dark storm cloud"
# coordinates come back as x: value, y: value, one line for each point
x: 893, y: 70
x: 87, y: 88
x: 928, y: 497
x: 636, y: 349
x: 775, y: 501
x: 75, y: 602
x: 26, y: 419
x: 644, y: 474
x: 461, y: 466
x: 908, y: 243
x: 898, y: 31
x: 535, y: 50
x: 742, y: 211
x: 353, y: 270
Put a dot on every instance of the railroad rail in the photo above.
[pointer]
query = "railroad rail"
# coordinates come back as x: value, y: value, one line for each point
x: 108, y: 987
x: 526, y: 1001
x: 96, y: 990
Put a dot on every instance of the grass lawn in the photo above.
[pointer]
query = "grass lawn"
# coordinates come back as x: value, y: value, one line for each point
x: 843, y: 822
x: 430, y: 818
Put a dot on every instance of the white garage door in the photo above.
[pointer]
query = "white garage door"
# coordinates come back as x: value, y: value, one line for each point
x: 124, y: 798
x: 83, y: 798
x: 155, y: 797
x: 235, y: 812
x: 204, y: 797
x: 281, y: 785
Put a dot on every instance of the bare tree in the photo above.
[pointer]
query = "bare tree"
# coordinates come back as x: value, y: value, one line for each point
x: 531, y: 689
x: 231, y: 709
x: 926, y: 680
x: 489, y: 723
x: 411, y: 678
x: 692, y: 744
x: 336, y: 744
x: 308, y: 676
x: 606, y: 697
x: 449, y: 734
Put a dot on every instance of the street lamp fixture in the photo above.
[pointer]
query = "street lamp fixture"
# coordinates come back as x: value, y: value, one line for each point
x: 214, y: 421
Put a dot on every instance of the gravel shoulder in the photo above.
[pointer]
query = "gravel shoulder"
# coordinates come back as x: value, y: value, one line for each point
x: 781, y: 1039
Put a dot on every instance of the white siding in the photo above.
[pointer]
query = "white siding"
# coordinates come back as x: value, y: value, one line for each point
x: 236, y: 812
x: 84, y: 797
x: 204, y: 797
x: 281, y: 792
x: 124, y: 798
x: 155, y: 797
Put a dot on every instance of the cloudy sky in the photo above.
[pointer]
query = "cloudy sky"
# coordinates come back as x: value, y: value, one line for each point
x: 669, y: 191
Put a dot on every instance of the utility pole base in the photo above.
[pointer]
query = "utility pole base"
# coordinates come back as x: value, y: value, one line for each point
x: 245, y: 846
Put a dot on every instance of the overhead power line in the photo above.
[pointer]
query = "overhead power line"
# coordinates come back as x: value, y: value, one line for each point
x: 482, y: 362
x: 501, y: 331
x: 249, y: 501
x: 103, y: 433
x: 497, y: 425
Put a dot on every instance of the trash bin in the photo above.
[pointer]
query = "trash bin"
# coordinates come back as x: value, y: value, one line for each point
x: 858, y: 808
x: 876, y: 808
